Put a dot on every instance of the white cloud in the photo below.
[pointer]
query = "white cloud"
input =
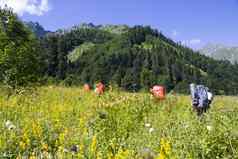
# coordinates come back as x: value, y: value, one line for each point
x: 33, y: 7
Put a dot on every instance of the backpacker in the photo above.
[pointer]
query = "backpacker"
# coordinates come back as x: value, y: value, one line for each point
x: 100, y: 88
x: 158, y: 92
x: 202, y: 96
x: 199, y: 95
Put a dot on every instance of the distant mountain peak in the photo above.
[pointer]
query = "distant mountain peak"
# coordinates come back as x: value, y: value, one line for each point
x: 36, y: 28
x: 220, y: 52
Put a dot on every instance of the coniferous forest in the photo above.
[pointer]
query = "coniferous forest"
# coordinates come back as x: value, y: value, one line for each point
x: 131, y: 57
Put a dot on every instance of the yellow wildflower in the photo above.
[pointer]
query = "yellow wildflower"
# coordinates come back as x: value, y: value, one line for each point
x: 25, y: 141
x: 37, y: 130
x: 122, y: 154
x: 60, y: 149
x: 165, y: 149
x: 62, y: 136
x: 165, y: 146
x: 81, y: 149
x: 81, y: 122
x: 110, y: 155
x: 93, y: 147
x: 1, y: 142
x: 161, y: 156
x: 33, y: 156
x: 22, y: 145
x: 44, y: 146
x: 99, y: 155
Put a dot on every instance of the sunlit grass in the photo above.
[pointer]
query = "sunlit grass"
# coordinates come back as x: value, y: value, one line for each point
x: 65, y: 122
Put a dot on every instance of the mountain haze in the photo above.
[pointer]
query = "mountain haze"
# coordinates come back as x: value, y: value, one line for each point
x: 221, y: 52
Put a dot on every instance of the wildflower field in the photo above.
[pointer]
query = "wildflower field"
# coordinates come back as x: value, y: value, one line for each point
x: 59, y: 122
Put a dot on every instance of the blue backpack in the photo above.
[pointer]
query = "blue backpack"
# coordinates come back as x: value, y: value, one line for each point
x: 202, y: 96
x: 199, y: 95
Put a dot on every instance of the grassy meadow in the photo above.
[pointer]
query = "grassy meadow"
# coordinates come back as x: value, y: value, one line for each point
x: 59, y: 122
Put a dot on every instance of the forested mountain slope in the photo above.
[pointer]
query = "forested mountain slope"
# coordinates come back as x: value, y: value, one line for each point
x: 136, y: 58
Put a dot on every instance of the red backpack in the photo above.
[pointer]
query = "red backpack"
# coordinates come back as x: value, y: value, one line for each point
x: 100, y: 88
x: 158, y: 92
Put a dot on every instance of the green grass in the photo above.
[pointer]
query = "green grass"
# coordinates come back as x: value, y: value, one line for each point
x: 51, y: 121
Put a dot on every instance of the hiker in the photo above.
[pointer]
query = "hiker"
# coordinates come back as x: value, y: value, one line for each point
x: 201, y: 98
x: 158, y: 92
x: 86, y: 87
x: 100, y: 88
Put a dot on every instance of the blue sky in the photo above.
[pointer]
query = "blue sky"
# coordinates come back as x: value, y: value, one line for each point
x: 193, y: 22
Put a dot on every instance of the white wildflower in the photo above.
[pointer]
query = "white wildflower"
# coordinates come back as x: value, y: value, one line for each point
x: 9, y: 125
x: 151, y: 130
x: 186, y: 126
x: 147, y: 125
x: 65, y: 150
x: 209, y: 128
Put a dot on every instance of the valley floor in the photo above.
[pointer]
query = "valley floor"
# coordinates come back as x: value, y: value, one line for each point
x: 71, y: 123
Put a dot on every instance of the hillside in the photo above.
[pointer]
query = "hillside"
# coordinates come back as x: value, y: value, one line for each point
x: 135, y: 59
x: 221, y: 52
